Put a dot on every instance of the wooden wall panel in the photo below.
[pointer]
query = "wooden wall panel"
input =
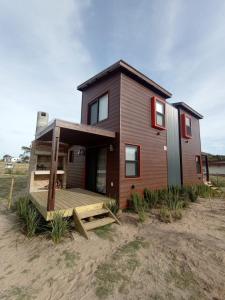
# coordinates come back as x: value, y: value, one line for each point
x: 136, y: 129
x: 76, y: 170
x: 190, y: 148
x: 112, y: 86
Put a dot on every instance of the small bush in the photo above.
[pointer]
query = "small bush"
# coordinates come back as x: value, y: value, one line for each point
x: 59, y: 227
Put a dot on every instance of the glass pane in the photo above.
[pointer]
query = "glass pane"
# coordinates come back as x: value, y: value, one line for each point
x: 94, y: 113
x: 101, y: 171
x: 160, y: 107
x: 131, y: 153
x: 198, y: 165
x: 103, y: 108
x: 160, y: 119
x: 188, y: 122
x: 188, y: 130
x: 131, y: 169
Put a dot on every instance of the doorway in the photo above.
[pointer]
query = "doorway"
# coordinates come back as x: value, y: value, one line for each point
x: 96, y: 160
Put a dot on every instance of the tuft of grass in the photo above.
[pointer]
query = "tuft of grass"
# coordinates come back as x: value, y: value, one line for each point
x: 139, y: 206
x: 59, y: 227
x: 31, y: 221
x: 118, y: 270
x: 105, y: 232
x: 70, y: 258
x: 165, y: 215
x: 28, y: 214
x: 113, y: 206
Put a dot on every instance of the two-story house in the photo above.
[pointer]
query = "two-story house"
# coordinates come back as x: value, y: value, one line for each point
x: 130, y: 138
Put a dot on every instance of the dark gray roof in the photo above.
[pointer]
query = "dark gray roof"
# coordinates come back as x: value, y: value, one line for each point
x: 188, y: 109
x: 124, y: 67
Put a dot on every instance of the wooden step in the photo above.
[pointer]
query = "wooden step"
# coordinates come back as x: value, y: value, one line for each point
x: 98, y: 223
x: 92, y: 213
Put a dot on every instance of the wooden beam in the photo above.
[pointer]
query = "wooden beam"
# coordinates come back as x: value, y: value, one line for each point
x: 53, y: 169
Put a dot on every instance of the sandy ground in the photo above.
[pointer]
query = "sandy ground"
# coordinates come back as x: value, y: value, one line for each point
x: 182, y: 260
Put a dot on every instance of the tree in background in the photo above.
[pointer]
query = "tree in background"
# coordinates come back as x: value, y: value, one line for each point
x: 25, y: 156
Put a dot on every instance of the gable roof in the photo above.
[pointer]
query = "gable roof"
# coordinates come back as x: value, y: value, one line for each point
x: 188, y: 109
x: 124, y: 67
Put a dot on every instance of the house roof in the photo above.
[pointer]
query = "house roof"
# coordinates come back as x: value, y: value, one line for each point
x: 124, y: 67
x: 188, y: 109
x: 76, y: 134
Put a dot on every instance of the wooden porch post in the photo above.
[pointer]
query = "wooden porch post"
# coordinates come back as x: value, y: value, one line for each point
x: 53, y: 169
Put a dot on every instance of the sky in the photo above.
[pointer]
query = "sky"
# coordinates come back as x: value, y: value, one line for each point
x: 47, y: 48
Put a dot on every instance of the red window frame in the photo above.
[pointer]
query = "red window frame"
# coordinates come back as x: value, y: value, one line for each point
x: 184, y: 126
x: 138, y: 161
x: 154, y: 113
x: 198, y: 157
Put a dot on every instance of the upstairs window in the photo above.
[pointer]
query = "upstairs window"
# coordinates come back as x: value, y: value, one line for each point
x: 132, y: 161
x: 198, y: 164
x: 98, y: 110
x: 158, y: 113
x: 186, y: 126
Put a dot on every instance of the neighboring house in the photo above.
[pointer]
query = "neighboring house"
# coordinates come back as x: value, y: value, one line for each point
x: 130, y: 138
x: 216, y: 167
x: 7, y: 158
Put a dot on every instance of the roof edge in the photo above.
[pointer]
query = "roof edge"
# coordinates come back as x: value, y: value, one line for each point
x: 128, y: 69
x: 188, y: 108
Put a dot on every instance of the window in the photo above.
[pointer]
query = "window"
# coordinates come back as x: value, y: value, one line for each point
x: 158, y: 113
x: 98, y: 110
x: 132, y: 161
x: 71, y: 156
x: 186, y: 126
x: 198, y: 164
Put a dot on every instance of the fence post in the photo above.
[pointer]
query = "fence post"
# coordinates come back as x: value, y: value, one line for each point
x: 11, y: 192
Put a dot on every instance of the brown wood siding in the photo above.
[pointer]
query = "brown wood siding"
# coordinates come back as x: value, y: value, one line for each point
x: 76, y: 170
x: 191, y: 148
x: 136, y: 129
x: 112, y: 86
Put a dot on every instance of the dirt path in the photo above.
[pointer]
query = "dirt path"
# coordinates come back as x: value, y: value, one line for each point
x: 183, y: 260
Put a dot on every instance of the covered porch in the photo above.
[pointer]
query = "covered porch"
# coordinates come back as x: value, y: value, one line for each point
x: 49, y: 185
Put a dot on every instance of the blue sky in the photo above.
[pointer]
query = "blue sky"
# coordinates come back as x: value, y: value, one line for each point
x: 49, y: 47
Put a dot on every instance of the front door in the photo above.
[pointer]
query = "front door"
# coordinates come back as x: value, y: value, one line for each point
x: 101, y: 171
x: 96, y: 170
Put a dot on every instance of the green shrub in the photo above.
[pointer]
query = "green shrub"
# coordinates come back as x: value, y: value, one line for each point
x: 59, y: 227
x: 113, y: 206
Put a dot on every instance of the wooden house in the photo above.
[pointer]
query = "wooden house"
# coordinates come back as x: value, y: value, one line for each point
x: 130, y: 138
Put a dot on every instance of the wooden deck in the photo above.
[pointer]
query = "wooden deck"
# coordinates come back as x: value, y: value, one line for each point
x: 68, y: 199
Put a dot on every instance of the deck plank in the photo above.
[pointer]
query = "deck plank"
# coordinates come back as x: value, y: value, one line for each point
x: 68, y: 199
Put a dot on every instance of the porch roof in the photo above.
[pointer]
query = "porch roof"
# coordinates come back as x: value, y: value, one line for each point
x: 76, y: 134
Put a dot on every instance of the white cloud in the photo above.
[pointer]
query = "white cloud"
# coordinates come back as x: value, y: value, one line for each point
x: 42, y: 60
